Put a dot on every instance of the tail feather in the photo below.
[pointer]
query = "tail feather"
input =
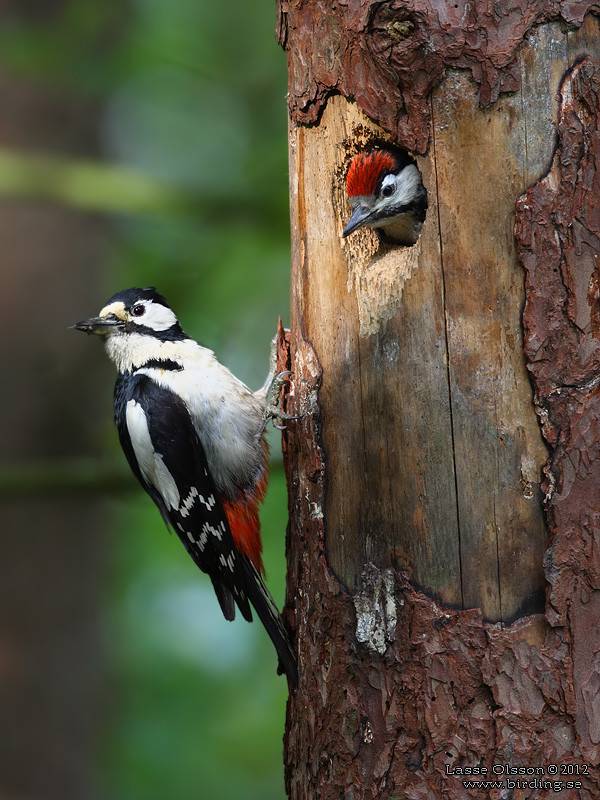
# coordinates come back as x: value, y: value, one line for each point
x: 267, y: 611
x: 225, y: 598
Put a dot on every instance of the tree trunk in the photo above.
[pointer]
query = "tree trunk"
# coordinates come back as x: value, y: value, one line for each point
x: 444, y: 541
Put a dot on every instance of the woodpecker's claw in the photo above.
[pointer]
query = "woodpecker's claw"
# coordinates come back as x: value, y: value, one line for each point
x: 271, y: 388
x: 277, y: 380
x: 272, y: 410
x: 273, y: 413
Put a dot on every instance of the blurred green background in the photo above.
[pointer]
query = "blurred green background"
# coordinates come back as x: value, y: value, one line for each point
x: 142, y: 142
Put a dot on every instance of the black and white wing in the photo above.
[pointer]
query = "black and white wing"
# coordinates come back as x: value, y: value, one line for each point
x: 167, y: 457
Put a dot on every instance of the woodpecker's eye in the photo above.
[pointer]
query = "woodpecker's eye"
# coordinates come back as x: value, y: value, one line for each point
x: 138, y: 310
x: 388, y: 190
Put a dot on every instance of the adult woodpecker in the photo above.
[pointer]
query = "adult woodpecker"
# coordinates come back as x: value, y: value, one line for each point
x: 386, y: 193
x: 193, y: 435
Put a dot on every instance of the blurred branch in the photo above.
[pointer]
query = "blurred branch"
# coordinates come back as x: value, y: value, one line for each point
x: 60, y: 477
x: 86, y: 184
x: 113, y: 189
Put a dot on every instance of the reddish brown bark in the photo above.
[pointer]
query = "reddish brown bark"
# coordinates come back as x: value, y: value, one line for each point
x: 397, y: 692
x: 558, y: 235
x: 388, y: 56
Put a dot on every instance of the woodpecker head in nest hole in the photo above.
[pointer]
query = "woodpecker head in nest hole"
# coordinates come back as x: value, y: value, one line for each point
x: 387, y: 194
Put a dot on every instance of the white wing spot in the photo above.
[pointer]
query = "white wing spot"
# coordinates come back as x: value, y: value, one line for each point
x: 186, y: 506
x: 208, y: 530
x: 208, y: 503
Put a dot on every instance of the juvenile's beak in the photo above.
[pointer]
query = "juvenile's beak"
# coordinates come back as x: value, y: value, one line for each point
x: 100, y: 325
x: 359, y: 219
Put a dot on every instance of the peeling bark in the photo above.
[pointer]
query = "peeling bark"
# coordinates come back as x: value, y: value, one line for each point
x: 558, y: 235
x: 389, y: 56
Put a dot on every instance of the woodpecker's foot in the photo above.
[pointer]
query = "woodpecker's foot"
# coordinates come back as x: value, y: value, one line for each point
x: 272, y: 410
x: 272, y: 376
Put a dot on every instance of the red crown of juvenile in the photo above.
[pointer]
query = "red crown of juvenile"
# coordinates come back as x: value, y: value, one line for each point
x: 365, y: 170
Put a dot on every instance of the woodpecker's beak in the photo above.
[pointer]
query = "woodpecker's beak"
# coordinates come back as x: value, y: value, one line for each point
x: 359, y: 219
x: 100, y: 325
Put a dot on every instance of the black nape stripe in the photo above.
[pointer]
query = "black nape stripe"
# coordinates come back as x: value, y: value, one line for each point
x: 165, y: 364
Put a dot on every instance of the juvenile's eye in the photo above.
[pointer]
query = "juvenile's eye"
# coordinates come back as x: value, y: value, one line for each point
x: 138, y: 310
x: 388, y: 190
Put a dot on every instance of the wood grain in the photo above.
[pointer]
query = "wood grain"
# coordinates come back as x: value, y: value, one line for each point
x: 379, y: 336
x: 498, y: 449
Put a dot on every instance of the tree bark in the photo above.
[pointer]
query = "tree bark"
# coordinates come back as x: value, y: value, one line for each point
x: 443, y: 548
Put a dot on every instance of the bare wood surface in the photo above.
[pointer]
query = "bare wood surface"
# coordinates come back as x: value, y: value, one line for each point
x: 479, y: 159
x: 379, y: 336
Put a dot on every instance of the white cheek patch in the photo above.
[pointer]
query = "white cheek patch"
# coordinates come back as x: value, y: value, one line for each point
x: 408, y: 183
x: 157, y: 317
x: 150, y: 462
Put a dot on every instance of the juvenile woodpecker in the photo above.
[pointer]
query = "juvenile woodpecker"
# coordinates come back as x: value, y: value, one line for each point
x: 386, y: 193
x: 193, y: 435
